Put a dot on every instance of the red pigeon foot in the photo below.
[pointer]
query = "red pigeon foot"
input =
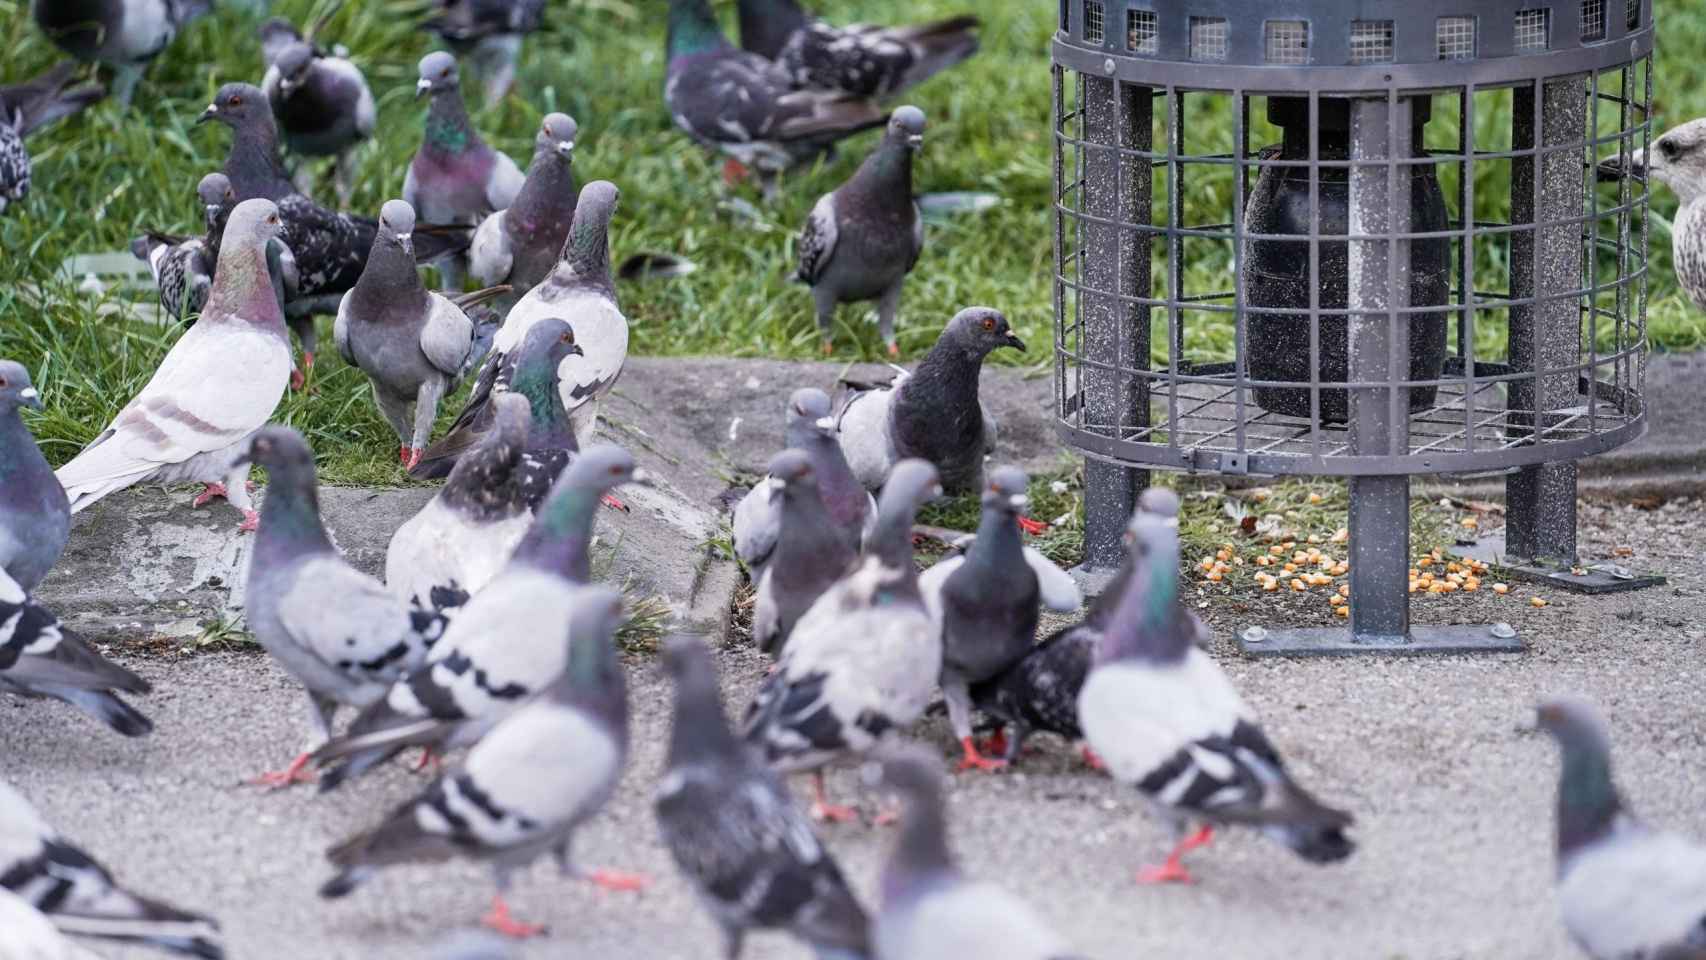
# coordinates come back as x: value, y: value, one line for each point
x: 499, y: 919
x: 1091, y: 760
x: 1035, y: 528
x: 894, y: 350
x: 975, y: 760
x: 429, y: 757
x: 297, y: 772
x: 734, y: 172
x: 297, y: 379
x: 251, y: 522
x: 613, y: 503
x: 213, y: 491
x: 996, y: 744
x: 617, y: 880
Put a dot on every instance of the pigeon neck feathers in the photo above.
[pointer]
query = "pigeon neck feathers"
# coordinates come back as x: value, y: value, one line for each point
x: 693, y: 30
x: 700, y: 731
x: 549, y: 428
x: 560, y: 537
x: 766, y: 25
x: 884, y: 180
x: 390, y: 287
x: 921, y: 858
x: 586, y: 255
x: 290, y: 518
x: 447, y: 129
x: 935, y: 413
x: 254, y: 165
x: 593, y: 680
x: 891, y: 541
x: 1588, y: 804
x: 841, y: 492
x: 812, y: 534
x: 242, y: 288
x: 1146, y: 624
x: 540, y: 204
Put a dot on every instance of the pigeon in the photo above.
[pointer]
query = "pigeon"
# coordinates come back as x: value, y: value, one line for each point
x: 862, y: 59
x: 254, y: 164
x: 464, y: 536
x: 520, y: 246
x: 580, y: 291
x: 930, y: 909
x: 455, y: 178
x: 35, y: 516
x: 338, y: 631
x: 39, y: 657
x: 124, y: 34
x: 500, y: 646
x: 488, y: 33
x: 537, y: 776
x: 414, y: 345
x: 748, y: 107
x: 183, y: 267
x: 758, y: 515
x: 218, y: 384
x: 863, y: 660
x: 1165, y: 719
x: 810, y: 555
x: 734, y: 831
x: 934, y: 412
x: 1677, y: 159
x: 987, y: 603
x: 863, y: 238
x: 55, y: 877
x: 1040, y: 691
x: 26, y: 108
x: 321, y: 101
x: 1625, y: 890
x: 32, y: 936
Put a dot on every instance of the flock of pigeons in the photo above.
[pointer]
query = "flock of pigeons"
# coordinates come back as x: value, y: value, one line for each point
x: 489, y: 632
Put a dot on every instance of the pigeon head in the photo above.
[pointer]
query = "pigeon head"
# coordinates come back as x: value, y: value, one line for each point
x: 557, y: 135
x: 293, y: 63
x: 794, y: 469
x: 397, y: 224
x: 544, y: 347
x: 1005, y: 489
x: 16, y: 390
x: 910, y: 483
x: 214, y: 190
x: 1159, y: 501
x: 980, y: 331
x: 686, y: 658
x: 1588, y: 803
x: 438, y: 74
x: 1143, y: 623
x: 276, y: 32
x: 603, y: 466
x: 278, y: 449
x: 809, y: 415
x: 921, y: 851
x: 1677, y: 159
x: 906, y: 126
x: 237, y: 105
x: 255, y: 220
x: 511, y: 411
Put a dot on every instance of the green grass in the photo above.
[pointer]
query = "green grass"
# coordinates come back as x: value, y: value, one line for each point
x: 102, y: 177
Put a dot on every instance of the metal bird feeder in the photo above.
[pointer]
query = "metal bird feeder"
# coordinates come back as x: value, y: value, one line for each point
x: 1356, y: 238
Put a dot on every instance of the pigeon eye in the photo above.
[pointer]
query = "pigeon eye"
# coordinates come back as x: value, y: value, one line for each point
x: 1668, y: 148
x: 236, y: 101
x: 3, y: 383
x: 566, y: 338
x: 989, y: 323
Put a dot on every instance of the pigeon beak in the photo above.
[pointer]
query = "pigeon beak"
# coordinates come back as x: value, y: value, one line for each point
x: 566, y: 149
x: 826, y: 424
x: 1019, y: 502
x: 915, y: 141
x: 642, y: 477
x: 422, y: 86
x: 408, y: 242
x: 936, y: 490
x: 1612, y: 169
x: 31, y: 398
x: 1014, y: 342
x: 208, y: 114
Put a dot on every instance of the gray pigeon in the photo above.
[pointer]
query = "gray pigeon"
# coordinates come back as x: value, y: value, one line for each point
x: 254, y: 164
x: 1677, y: 159
x: 808, y: 426
x: 413, y: 344
x: 747, y: 107
x: 488, y: 33
x: 733, y: 829
x: 335, y: 629
x: 183, y: 267
x: 811, y: 554
x: 987, y: 602
x: 464, y: 536
x: 321, y: 100
x: 33, y: 935
x: 520, y: 245
x: 35, y: 517
x: 863, y: 59
x: 580, y: 291
x: 499, y: 648
x: 932, y: 911
x: 455, y: 178
x: 1625, y: 889
x: 218, y: 384
x: 863, y: 660
x: 26, y: 108
x: 862, y: 239
x: 547, y: 768
x: 123, y: 34
x: 41, y: 658
x: 55, y: 877
x: 1165, y: 719
x: 932, y: 413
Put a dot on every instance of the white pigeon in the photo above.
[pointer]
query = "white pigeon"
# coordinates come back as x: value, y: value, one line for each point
x: 31, y: 936
x: 218, y: 384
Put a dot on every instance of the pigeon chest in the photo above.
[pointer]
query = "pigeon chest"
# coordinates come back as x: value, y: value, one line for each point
x: 451, y: 187
x: 1688, y: 250
x: 874, y: 248
x: 14, y: 167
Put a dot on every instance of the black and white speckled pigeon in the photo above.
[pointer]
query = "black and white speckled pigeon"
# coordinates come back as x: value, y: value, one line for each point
x: 1625, y: 890
x: 748, y: 107
x: 861, y: 58
x: 1165, y: 719
x: 543, y: 771
x: 807, y: 426
x: 465, y: 535
x: 812, y: 553
x: 934, y: 412
x: 501, y: 646
x: 35, y: 517
x: 864, y: 659
x: 338, y: 631
x: 33, y: 935
x: 124, y: 34
x: 580, y: 291
x: 1677, y: 159
x: 413, y: 344
x: 863, y: 238
x: 521, y: 245
x: 488, y: 33
x: 320, y: 100
x: 734, y: 831
x: 254, y: 164
x: 56, y: 877
x: 455, y: 177
x: 217, y: 385
x: 987, y: 602
x: 26, y: 108
x: 930, y: 909
x: 183, y: 267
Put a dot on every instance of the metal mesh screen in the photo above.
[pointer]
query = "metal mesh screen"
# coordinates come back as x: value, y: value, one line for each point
x: 1455, y: 37
x: 1371, y: 41
x: 1093, y: 21
x: 1286, y: 41
x: 1533, y: 30
x: 1208, y: 38
x: 1632, y: 14
x: 1593, y: 20
x: 1140, y: 31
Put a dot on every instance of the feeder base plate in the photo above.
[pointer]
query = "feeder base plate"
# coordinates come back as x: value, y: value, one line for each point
x: 1594, y: 580
x: 1338, y: 641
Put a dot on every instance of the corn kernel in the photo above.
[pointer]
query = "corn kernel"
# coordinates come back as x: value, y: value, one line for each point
x: 1415, y: 585
x: 1470, y: 586
x: 1277, y: 550
x: 1469, y: 523
x: 1290, y: 568
x: 1453, y: 567
x: 1536, y: 602
x: 1340, y: 535
x: 1501, y: 588
x: 1263, y: 561
x: 1345, y: 590
x: 1216, y: 576
x: 1270, y: 585
x: 1223, y: 554
x: 1238, y: 561
x: 1342, y: 611
x: 1424, y: 562
x: 1341, y: 568
x: 1314, y: 497
x: 1289, y: 544
x: 1314, y: 538
x: 1297, y: 585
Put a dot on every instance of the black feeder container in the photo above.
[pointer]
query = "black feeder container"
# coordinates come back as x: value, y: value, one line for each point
x: 1358, y: 238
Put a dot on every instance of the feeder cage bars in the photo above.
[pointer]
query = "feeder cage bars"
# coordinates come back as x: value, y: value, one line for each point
x: 1359, y: 238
